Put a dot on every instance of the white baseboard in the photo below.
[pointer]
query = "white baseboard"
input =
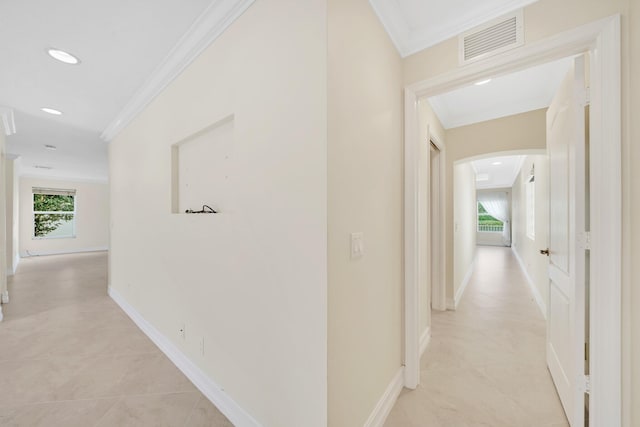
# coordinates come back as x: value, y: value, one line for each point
x: 452, y: 303
x: 238, y: 416
x: 425, y: 338
x: 386, y: 402
x: 65, y: 251
x: 531, y: 283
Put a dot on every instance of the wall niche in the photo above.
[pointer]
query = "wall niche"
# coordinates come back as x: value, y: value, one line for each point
x: 201, y: 168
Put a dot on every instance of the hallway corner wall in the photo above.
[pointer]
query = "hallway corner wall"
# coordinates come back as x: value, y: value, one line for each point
x: 526, y: 249
x: 250, y: 281
x: 464, y: 229
x: 365, y: 182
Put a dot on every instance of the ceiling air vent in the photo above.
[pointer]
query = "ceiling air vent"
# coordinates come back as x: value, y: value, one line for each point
x: 495, y: 36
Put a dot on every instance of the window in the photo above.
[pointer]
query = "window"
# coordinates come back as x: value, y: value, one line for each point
x: 530, y: 191
x: 487, y: 223
x: 54, y: 213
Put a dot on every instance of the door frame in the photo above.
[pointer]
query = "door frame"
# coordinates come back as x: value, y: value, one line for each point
x: 439, y: 291
x: 602, y: 40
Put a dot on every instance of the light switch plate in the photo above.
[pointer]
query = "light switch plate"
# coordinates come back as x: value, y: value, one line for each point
x: 357, y: 245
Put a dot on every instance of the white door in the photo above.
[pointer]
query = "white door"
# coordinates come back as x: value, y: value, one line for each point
x: 566, y: 312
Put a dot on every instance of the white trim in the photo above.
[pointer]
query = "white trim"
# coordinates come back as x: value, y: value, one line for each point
x: 5, y: 297
x: 602, y: 39
x: 11, y: 270
x: 452, y: 303
x: 204, y: 31
x: 408, y: 41
x: 425, y: 339
x: 532, y: 285
x: 386, y: 402
x: 1, y: 315
x: 439, y: 297
x: 412, y: 256
x: 64, y: 251
x: 8, y: 120
x: 238, y: 416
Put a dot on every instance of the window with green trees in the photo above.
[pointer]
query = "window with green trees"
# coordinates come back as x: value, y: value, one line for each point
x: 54, y: 213
x: 488, y: 223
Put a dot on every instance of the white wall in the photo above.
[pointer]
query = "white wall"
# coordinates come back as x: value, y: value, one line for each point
x: 489, y: 238
x: 528, y: 250
x: 365, y: 195
x: 252, y: 280
x: 464, y: 228
x: 3, y: 215
x: 12, y: 189
x: 92, y: 218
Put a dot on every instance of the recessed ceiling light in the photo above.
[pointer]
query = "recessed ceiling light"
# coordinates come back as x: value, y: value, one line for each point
x: 52, y: 111
x: 482, y: 82
x: 50, y: 147
x: 63, y: 56
x: 496, y: 163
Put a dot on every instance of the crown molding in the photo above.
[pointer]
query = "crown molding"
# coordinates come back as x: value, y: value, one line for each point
x: 409, y: 41
x: 8, y: 120
x: 207, y: 28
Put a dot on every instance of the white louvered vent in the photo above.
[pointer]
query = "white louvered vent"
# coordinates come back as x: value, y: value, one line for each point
x: 491, y: 38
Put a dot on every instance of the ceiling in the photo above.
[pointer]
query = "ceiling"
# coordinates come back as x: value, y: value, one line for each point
x: 116, y: 60
x: 497, y: 172
x: 519, y: 92
x: 414, y: 25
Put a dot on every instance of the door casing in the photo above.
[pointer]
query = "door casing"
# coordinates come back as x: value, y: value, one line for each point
x: 602, y: 40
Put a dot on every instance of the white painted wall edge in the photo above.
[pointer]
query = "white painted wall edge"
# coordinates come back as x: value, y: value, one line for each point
x: 386, y: 402
x: 534, y: 290
x: 452, y: 303
x: 238, y: 416
x: 11, y: 270
x: 62, y: 252
x: 5, y: 297
x: 425, y: 338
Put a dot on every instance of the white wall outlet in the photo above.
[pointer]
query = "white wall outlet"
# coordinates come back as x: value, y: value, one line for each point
x: 182, y: 331
x: 357, y: 245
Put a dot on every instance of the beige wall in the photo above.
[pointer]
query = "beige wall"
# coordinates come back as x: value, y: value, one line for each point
x: 365, y: 195
x: 526, y: 131
x: 527, y: 249
x: 251, y: 280
x: 429, y: 128
x: 547, y: 18
x: 464, y: 228
x: 92, y: 218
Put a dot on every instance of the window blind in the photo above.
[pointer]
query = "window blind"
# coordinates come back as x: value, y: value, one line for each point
x: 54, y: 191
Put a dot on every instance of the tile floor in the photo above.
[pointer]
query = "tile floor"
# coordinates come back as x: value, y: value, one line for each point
x: 70, y: 357
x: 485, y: 365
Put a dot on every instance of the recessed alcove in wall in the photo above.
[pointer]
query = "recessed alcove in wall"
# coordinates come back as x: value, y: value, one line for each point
x: 201, y: 168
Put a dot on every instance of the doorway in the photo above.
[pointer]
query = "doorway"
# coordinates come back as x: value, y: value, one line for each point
x: 603, y: 41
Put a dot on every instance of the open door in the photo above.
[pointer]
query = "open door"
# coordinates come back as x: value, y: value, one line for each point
x: 567, y: 237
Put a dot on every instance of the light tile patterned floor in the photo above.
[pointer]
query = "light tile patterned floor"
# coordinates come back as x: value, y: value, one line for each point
x: 485, y: 365
x: 70, y: 357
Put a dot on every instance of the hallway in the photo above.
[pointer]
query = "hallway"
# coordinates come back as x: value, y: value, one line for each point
x: 485, y: 364
x: 70, y: 357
